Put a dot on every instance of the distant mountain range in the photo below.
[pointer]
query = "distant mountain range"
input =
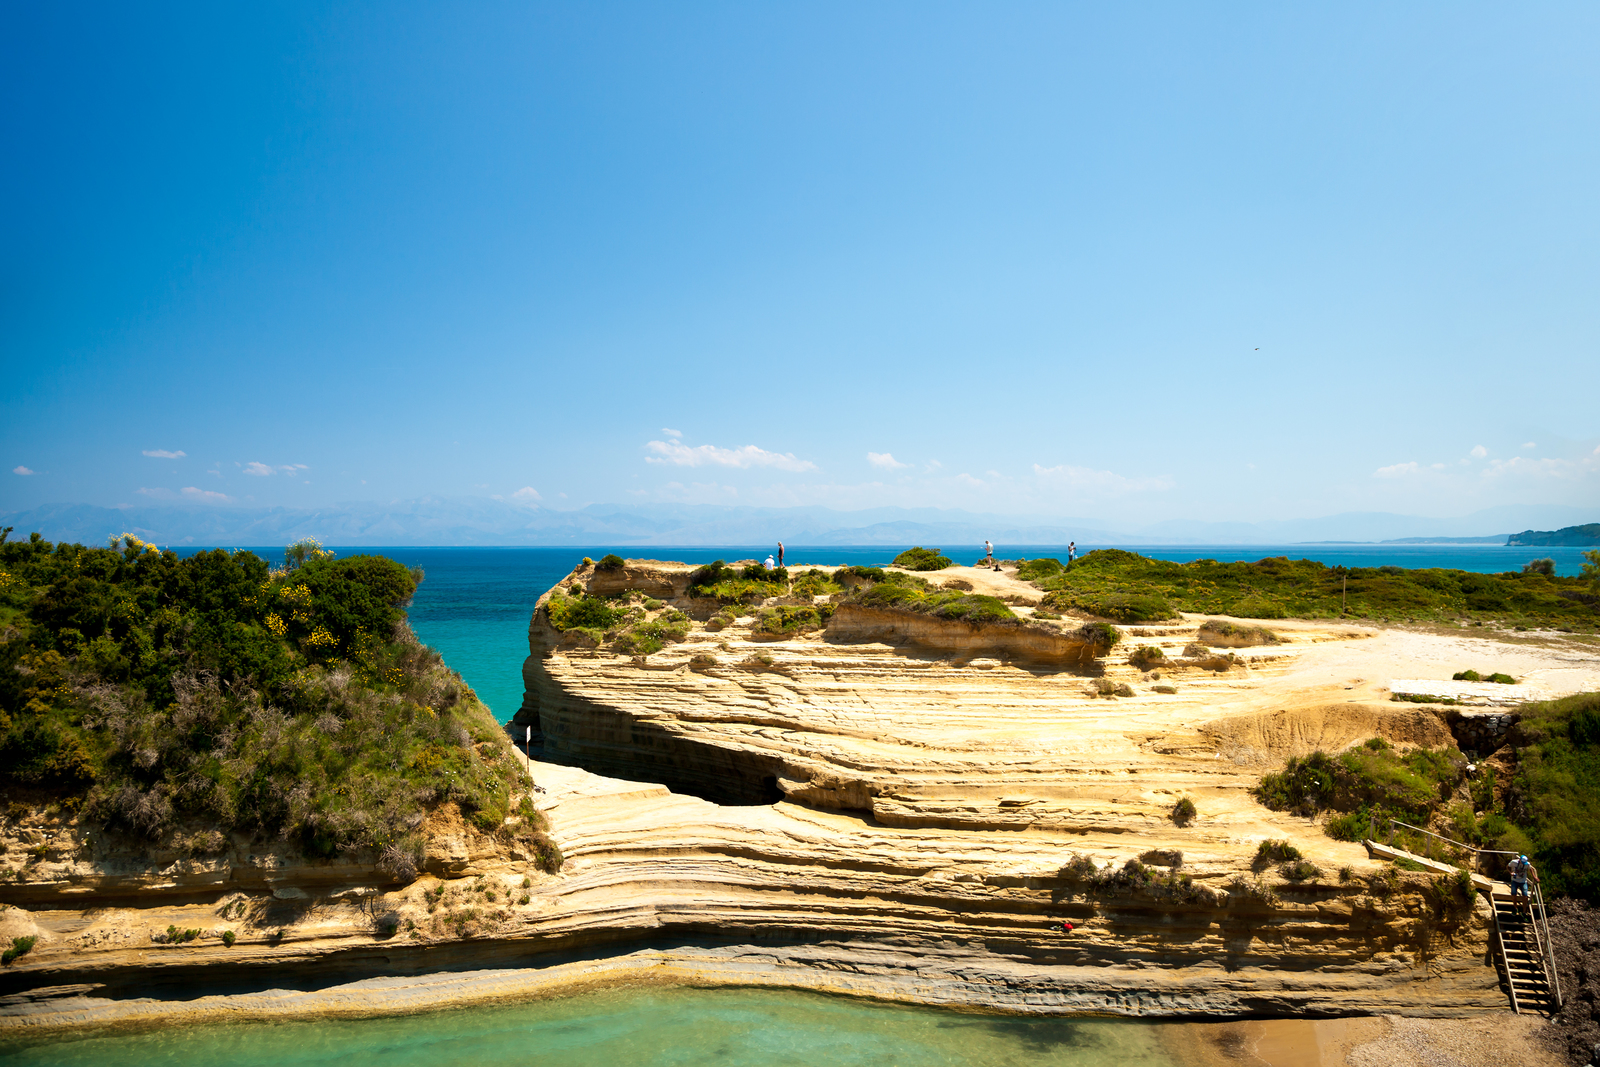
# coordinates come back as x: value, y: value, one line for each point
x: 479, y: 521
x: 1569, y: 537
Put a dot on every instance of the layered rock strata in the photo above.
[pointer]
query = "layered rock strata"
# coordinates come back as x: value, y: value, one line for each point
x: 913, y: 814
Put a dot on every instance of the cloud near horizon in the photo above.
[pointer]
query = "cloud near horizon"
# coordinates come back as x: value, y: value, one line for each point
x: 205, y: 496
x: 886, y: 461
x: 681, y: 455
x: 262, y: 470
x: 19, y: 469
x: 526, y: 495
x: 1089, y: 479
x: 161, y: 453
x: 1397, y: 470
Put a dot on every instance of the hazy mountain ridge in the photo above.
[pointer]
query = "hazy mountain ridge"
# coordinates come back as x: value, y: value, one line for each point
x: 480, y: 521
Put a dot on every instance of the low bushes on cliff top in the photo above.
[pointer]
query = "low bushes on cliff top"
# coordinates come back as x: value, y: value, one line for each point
x: 1124, y: 607
x: 922, y: 559
x: 1032, y: 570
x: 730, y: 585
x: 787, y: 619
x: 582, y: 612
x: 1549, y: 807
x: 152, y: 692
x: 1278, y: 587
x: 943, y: 603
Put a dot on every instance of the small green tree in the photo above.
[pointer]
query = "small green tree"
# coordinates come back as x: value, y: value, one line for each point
x: 298, y: 554
x: 1546, y: 567
x: 1591, y: 569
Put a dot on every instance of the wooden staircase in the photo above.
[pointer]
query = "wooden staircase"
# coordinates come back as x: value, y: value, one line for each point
x: 1526, y: 962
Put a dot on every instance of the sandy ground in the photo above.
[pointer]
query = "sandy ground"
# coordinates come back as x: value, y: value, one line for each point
x: 1382, y: 1041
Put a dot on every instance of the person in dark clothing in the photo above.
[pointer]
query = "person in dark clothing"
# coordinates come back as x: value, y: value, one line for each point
x: 780, y: 555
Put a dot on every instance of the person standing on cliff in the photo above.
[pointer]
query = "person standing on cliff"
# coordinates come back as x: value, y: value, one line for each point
x: 780, y: 555
x: 1072, y: 551
x: 988, y: 550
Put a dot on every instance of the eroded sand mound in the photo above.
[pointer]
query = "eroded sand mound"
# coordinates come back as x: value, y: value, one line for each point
x: 1272, y: 736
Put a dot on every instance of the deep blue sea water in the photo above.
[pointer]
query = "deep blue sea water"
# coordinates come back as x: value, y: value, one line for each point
x: 474, y: 604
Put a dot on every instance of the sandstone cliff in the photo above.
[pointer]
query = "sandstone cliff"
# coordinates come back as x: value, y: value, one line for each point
x: 889, y: 806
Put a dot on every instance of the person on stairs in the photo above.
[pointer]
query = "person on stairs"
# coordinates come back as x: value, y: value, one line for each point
x: 1522, y: 872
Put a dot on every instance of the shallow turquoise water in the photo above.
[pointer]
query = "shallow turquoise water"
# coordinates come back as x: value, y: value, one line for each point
x: 637, y: 1028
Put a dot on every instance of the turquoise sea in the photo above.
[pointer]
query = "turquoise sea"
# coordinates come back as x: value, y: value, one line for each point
x: 635, y: 1028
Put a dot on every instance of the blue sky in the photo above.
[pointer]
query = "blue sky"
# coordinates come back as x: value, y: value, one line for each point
x: 1231, y: 262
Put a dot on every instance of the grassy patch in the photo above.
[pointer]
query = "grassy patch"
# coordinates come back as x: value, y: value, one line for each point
x: 567, y: 612
x: 1034, y: 570
x: 731, y: 585
x: 1124, y: 607
x: 943, y: 603
x: 1231, y: 635
x: 814, y: 583
x: 788, y: 620
x: 1278, y: 587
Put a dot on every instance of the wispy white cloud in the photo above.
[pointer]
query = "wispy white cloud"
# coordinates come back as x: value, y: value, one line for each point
x: 1529, y: 444
x: 671, y: 432
x: 1397, y: 470
x: 161, y: 453
x: 526, y: 495
x: 1091, y: 480
x: 681, y: 455
x: 1539, y: 469
x: 886, y: 461
x: 262, y: 470
x: 969, y: 481
x: 19, y: 469
x: 1478, y: 452
x: 204, y: 496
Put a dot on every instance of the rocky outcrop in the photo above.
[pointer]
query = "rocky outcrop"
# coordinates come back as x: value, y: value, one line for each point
x: 894, y: 817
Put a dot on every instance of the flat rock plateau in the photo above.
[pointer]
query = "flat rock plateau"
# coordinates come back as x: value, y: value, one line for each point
x: 895, y: 806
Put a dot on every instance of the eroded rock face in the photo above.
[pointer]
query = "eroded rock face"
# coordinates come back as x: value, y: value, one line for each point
x: 926, y: 747
x: 914, y: 821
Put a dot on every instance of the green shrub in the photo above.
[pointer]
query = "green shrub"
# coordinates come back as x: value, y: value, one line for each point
x: 1036, y: 569
x: 611, y: 562
x: 1124, y: 607
x: 860, y: 574
x: 1146, y: 657
x: 752, y: 584
x: 581, y: 612
x: 786, y: 620
x: 1184, y: 812
x: 1100, y: 637
x: 814, y: 583
x: 1546, y: 567
x: 229, y: 937
x: 1225, y: 633
x: 1466, y: 676
x: 944, y: 603
x: 1503, y: 679
x: 1276, y: 851
x: 20, y: 946
x: 922, y: 559
x: 1300, y: 871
